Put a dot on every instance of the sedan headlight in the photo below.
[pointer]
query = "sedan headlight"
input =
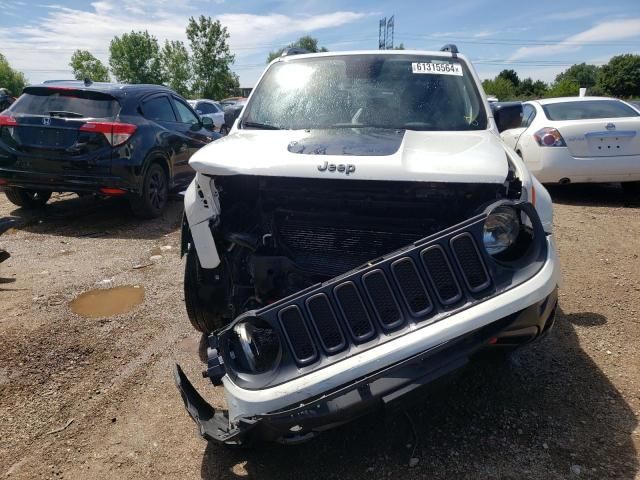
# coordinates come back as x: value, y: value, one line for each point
x: 501, y: 229
x: 255, y: 347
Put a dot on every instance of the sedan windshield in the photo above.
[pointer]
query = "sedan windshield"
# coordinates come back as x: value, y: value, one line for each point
x: 356, y: 91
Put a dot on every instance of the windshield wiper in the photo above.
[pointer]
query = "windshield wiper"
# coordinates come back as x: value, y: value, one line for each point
x: 263, y: 126
x: 65, y: 114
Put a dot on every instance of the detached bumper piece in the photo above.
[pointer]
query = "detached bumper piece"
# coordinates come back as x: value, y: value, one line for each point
x: 212, y: 424
x: 389, y: 297
x: 387, y: 389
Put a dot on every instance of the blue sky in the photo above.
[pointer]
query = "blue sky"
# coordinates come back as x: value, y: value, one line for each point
x: 537, y: 39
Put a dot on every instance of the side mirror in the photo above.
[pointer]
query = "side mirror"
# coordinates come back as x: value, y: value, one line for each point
x: 507, y: 115
x: 207, y: 122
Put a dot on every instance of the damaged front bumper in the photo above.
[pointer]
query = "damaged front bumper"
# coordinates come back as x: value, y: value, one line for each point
x: 382, y: 389
x: 331, y: 389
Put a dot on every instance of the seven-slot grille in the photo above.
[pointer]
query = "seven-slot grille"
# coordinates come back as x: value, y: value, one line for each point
x: 414, y: 286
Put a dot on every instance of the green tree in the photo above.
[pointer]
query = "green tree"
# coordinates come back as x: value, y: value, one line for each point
x: 211, y: 58
x: 176, y: 67
x: 307, y: 43
x: 621, y: 76
x: 11, y: 79
x: 500, y: 87
x: 135, y: 58
x: 85, y: 65
x: 581, y: 73
x: 530, y: 89
x: 399, y: 47
x: 540, y: 88
x: 563, y: 88
x: 511, y: 76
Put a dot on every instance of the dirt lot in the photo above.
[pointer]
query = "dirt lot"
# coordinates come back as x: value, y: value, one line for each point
x: 94, y: 397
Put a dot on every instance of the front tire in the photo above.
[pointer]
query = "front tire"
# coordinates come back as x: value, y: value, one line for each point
x: 155, y: 192
x: 203, y: 294
x: 27, y: 199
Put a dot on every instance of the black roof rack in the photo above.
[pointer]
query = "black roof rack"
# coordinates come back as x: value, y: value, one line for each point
x: 294, y: 51
x: 450, y: 47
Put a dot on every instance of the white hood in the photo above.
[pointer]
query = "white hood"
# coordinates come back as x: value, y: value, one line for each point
x: 464, y: 157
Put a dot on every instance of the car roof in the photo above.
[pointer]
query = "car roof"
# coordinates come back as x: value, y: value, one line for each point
x: 115, y: 89
x: 548, y: 101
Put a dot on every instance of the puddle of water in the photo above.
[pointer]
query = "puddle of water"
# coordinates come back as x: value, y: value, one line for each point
x: 105, y: 302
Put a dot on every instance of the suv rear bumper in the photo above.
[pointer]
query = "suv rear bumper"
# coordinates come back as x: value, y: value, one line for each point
x: 57, y: 182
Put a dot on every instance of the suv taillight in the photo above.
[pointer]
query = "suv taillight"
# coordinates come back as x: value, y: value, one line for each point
x: 549, y: 137
x: 116, y: 133
x: 7, y: 121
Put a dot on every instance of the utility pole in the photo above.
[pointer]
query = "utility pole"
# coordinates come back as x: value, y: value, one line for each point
x: 386, y: 33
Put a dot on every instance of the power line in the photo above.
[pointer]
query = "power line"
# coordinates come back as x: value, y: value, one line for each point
x: 520, y: 42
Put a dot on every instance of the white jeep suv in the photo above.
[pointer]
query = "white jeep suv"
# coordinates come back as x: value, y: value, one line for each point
x: 360, y: 232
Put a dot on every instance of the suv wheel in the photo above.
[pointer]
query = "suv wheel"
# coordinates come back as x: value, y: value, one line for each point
x: 200, y: 289
x: 155, y: 191
x: 27, y: 199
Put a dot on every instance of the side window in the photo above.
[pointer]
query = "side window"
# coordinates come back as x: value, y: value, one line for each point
x: 528, y: 114
x: 185, y: 115
x: 159, y: 109
x: 206, y: 108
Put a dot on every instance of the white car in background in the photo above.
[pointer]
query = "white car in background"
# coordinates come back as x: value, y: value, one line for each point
x: 579, y: 140
x: 211, y: 109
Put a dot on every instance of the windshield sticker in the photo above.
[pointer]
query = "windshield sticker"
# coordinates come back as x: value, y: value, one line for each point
x: 437, y: 68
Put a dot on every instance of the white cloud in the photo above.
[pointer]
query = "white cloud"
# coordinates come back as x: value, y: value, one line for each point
x: 42, y: 49
x: 604, y: 32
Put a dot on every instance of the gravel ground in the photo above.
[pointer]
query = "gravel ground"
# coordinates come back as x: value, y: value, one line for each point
x: 94, y: 397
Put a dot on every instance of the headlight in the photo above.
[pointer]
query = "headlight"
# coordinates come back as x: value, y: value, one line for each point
x: 501, y: 229
x: 255, y: 347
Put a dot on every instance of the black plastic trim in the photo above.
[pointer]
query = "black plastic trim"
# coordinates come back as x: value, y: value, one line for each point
x: 446, y: 302
x: 343, y: 343
x: 372, y: 330
x: 300, y: 361
x: 487, y: 282
x: 411, y: 263
x: 386, y: 326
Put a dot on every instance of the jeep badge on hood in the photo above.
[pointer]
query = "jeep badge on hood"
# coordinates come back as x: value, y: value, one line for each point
x: 341, y: 167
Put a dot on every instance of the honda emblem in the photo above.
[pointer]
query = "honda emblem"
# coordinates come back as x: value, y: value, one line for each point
x: 46, y: 121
